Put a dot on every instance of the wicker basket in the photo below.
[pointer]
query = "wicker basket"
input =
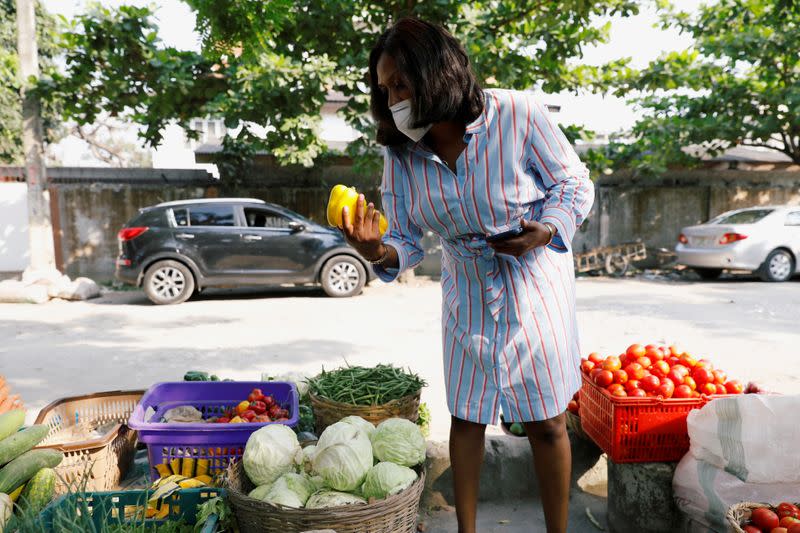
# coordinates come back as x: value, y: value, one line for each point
x: 740, y: 513
x: 99, y: 462
x: 395, y: 514
x: 327, y: 412
x: 574, y: 425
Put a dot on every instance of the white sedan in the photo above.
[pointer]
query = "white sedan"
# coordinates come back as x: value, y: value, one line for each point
x: 764, y: 240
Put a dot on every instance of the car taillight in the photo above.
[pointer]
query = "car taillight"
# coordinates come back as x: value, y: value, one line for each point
x: 728, y: 238
x: 682, y: 239
x: 126, y: 234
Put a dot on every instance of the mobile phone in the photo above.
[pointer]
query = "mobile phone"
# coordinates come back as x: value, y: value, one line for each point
x: 497, y: 237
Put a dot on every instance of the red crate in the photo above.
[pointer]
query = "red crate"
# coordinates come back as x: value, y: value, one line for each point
x: 636, y: 430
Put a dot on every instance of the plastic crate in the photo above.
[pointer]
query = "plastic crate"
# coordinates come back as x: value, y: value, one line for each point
x: 637, y: 430
x: 92, y: 462
x: 112, y: 508
x: 219, y: 443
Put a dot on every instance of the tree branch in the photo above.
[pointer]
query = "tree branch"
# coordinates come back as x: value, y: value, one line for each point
x: 785, y: 150
x: 516, y: 16
x: 100, y: 150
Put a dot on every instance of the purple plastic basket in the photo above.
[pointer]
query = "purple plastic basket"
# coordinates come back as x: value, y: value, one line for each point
x: 220, y: 443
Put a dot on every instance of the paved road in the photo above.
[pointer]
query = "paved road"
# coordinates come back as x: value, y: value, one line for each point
x: 122, y: 341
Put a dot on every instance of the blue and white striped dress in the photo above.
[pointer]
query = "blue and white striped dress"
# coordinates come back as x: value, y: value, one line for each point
x: 510, y: 337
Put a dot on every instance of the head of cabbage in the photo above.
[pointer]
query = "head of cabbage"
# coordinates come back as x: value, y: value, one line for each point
x: 385, y: 479
x: 343, y: 456
x: 331, y: 498
x: 399, y: 441
x: 360, y: 423
x: 291, y: 490
x: 270, y: 452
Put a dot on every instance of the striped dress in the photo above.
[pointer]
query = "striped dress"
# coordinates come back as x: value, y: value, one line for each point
x: 509, y: 332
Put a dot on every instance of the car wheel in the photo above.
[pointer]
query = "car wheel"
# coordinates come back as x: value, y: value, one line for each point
x: 779, y: 266
x: 343, y: 276
x: 708, y: 274
x: 168, y: 282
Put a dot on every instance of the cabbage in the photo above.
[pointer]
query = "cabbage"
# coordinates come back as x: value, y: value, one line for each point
x: 360, y: 423
x: 385, y: 479
x: 332, y: 498
x: 291, y: 490
x: 308, y: 457
x: 398, y: 441
x: 259, y: 492
x: 343, y: 456
x: 299, y: 380
x: 270, y: 452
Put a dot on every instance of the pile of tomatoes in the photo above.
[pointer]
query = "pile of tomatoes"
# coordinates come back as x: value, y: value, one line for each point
x: 657, y: 370
x: 783, y: 519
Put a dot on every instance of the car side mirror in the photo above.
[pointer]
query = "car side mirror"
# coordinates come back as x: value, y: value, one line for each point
x: 296, y: 227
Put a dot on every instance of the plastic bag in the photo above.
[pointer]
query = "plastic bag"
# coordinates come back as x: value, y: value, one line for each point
x: 753, y: 437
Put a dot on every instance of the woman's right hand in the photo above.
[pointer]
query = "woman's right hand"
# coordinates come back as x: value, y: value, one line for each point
x: 363, y: 230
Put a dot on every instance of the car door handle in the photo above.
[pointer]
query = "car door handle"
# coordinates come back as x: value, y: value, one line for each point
x: 185, y: 236
x: 252, y: 237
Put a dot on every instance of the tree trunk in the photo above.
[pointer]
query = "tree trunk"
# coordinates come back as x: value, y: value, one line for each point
x: 42, y: 252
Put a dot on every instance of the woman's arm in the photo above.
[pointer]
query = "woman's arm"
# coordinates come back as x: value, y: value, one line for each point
x: 564, y: 179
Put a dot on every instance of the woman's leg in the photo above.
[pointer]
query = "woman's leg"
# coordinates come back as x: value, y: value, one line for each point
x: 552, y: 458
x: 466, y: 458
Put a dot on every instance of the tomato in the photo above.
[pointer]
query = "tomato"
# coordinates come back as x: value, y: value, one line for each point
x: 689, y: 380
x: 779, y: 530
x: 666, y: 389
x: 682, y: 391
x: 612, y: 363
x: 750, y: 529
x: 681, y: 368
x: 617, y: 390
x: 635, y: 350
x: 721, y: 389
x: 787, y: 521
x: 702, y: 375
x: 660, y: 368
x: 587, y: 366
x: 604, y: 378
x: 621, y: 377
x: 595, y: 358
x: 572, y: 407
x: 673, y: 361
x: 720, y: 377
x: 734, y: 387
x: 708, y: 389
x: 705, y: 363
x: 687, y: 360
x: 637, y: 393
x: 593, y: 374
x: 654, y: 354
x: 787, y: 509
x: 675, y: 351
x: 631, y: 384
x: 676, y: 376
x: 794, y: 528
x: 650, y: 383
x: 644, y: 361
x: 635, y: 371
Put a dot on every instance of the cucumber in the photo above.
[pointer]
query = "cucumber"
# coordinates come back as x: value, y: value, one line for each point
x: 10, y: 422
x: 22, y: 441
x: 38, y: 491
x: 25, y: 466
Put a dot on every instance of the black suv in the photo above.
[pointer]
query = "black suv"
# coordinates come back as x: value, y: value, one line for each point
x: 176, y: 248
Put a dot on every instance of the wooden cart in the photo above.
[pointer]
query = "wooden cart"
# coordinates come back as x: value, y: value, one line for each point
x: 614, y: 260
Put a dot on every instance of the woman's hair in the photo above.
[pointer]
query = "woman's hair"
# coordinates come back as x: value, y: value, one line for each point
x: 436, y: 69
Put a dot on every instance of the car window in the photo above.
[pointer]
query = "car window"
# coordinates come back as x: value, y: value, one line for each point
x: 793, y: 218
x: 263, y: 218
x: 210, y: 215
x: 750, y: 216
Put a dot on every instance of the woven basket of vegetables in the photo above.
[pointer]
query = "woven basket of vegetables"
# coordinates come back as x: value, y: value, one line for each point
x: 748, y: 516
x: 395, y: 514
x: 375, y: 394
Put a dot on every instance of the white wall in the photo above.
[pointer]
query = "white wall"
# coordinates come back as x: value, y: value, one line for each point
x: 13, y: 227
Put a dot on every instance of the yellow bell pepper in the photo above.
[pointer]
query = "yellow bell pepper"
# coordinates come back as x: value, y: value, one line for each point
x: 342, y: 196
x: 242, y: 407
x: 237, y: 420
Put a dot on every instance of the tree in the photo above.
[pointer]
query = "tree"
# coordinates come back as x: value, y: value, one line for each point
x: 739, y: 84
x: 266, y: 67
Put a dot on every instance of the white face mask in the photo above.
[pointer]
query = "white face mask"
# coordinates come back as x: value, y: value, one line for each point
x: 401, y: 112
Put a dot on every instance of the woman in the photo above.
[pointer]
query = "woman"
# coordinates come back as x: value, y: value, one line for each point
x: 468, y: 165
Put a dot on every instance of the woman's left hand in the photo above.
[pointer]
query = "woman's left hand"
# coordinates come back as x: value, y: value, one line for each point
x: 534, y: 234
